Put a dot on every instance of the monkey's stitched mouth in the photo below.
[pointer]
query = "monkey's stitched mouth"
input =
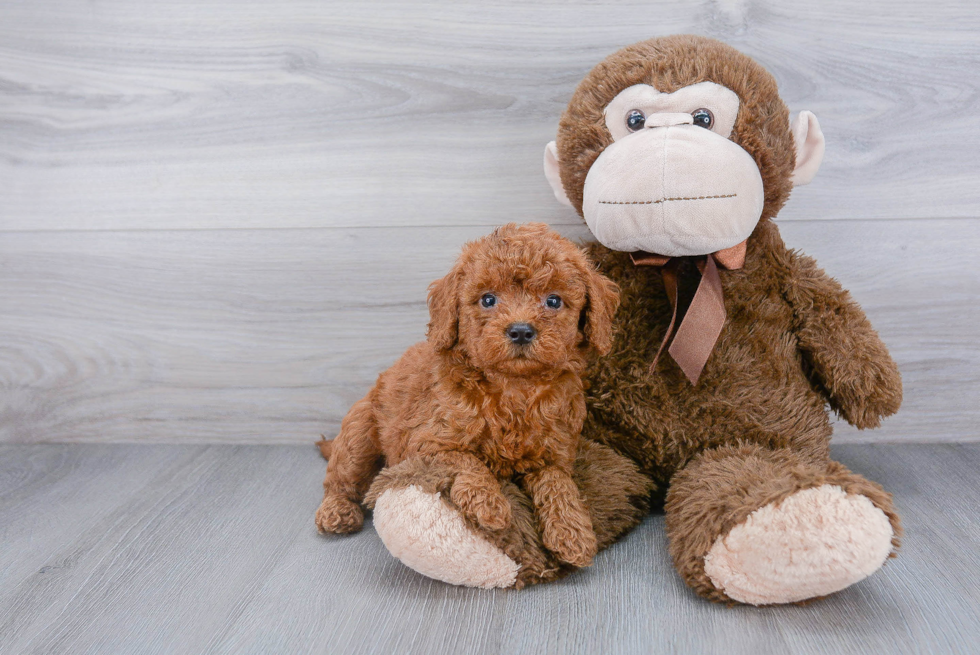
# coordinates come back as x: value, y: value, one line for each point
x: 663, y: 200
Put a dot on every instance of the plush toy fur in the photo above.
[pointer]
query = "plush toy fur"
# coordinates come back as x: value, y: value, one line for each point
x: 756, y: 510
x: 485, y: 405
x: 755, y: 429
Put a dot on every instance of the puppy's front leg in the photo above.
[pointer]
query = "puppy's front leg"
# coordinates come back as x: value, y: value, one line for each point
x: 566, y: 527
x: 476, y: 491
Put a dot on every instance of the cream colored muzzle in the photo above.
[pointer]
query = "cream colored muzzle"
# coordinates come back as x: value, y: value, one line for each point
x: 674, y: 189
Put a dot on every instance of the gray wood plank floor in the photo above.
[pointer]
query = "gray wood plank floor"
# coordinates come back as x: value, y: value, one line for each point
x: 186, y: 549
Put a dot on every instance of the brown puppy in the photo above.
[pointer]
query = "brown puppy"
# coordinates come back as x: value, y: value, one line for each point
x: 495, y: 391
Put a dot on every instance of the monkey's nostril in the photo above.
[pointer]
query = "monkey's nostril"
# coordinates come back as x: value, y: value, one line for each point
x: 521, y: 333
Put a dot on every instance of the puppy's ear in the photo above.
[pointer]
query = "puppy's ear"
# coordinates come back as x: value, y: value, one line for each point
x: 443, y: 302
x: 601, y: 304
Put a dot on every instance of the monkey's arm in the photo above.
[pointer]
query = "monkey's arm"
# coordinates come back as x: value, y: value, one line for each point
x: 844, y: 353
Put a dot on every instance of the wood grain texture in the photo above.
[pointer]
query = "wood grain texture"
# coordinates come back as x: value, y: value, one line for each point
x: 165, y: 549
x: 124, y: 114
x: 270, y: 336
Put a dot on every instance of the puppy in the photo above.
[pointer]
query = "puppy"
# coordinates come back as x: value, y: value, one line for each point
x: 495, y: 391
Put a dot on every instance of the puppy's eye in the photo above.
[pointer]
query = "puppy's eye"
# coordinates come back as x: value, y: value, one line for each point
x: 488, y: 300
x: 703, y: 118
x: 635, y: 120
x: 553, y: 301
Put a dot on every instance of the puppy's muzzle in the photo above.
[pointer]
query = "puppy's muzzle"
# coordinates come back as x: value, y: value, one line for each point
x: 521, y: 334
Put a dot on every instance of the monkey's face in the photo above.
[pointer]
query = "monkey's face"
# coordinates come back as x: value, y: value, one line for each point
x: 678, y: 146
x: 672, y: 182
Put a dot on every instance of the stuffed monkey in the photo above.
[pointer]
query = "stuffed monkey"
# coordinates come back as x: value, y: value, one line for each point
x: 729, y: 348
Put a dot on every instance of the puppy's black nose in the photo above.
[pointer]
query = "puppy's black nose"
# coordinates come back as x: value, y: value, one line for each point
x: 521, y: 333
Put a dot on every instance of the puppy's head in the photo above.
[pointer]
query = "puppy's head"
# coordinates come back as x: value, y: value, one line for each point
x: 523, y: 300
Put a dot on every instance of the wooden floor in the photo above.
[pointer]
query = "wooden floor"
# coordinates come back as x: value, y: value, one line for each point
x: 188, y: 549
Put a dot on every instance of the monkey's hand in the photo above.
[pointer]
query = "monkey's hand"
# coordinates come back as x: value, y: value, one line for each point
x: 843, y: 353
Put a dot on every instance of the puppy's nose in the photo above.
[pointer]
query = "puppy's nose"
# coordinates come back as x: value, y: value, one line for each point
x: 521, y: 333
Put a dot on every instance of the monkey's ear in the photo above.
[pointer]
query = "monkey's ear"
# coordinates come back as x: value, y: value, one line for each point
x: 809, y: 143
x: 443, y: 301
x: 601, y: 305
x: 551, y: 172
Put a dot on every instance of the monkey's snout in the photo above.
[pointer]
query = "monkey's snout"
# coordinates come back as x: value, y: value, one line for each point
x: 521, y: 333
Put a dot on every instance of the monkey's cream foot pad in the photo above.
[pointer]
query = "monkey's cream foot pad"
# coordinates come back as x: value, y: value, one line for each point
x: 813, y: 543
x: 430, y: 537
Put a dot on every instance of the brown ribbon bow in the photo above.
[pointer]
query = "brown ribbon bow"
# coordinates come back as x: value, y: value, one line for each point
x: 698, y: 332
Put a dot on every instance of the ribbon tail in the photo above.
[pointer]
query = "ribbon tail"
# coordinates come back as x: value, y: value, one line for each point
x: 702, y: 324
x: 669, y: 275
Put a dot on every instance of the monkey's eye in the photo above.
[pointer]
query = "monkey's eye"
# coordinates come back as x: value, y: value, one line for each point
x: 635, y: 120
x: 703, y: 118
x: 488, y: 300
x: 553, y: 301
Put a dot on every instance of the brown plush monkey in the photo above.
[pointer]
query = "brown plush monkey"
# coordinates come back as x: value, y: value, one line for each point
x: 678, y: 153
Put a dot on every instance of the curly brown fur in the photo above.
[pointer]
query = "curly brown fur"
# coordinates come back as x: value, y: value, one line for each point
x: 794, y: 341
x: 472, y: 400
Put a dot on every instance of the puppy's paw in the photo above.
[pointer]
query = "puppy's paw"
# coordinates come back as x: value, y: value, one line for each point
x: 481, y: 503
x: 494, y: 512
x: 339, y: 515
x: 572, y: 541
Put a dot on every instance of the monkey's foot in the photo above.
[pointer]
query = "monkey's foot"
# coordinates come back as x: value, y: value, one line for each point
x: 813, y: 543
x: 432, y: 538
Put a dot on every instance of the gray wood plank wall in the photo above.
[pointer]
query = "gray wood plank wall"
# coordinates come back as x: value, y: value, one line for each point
x: 218, y: 219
